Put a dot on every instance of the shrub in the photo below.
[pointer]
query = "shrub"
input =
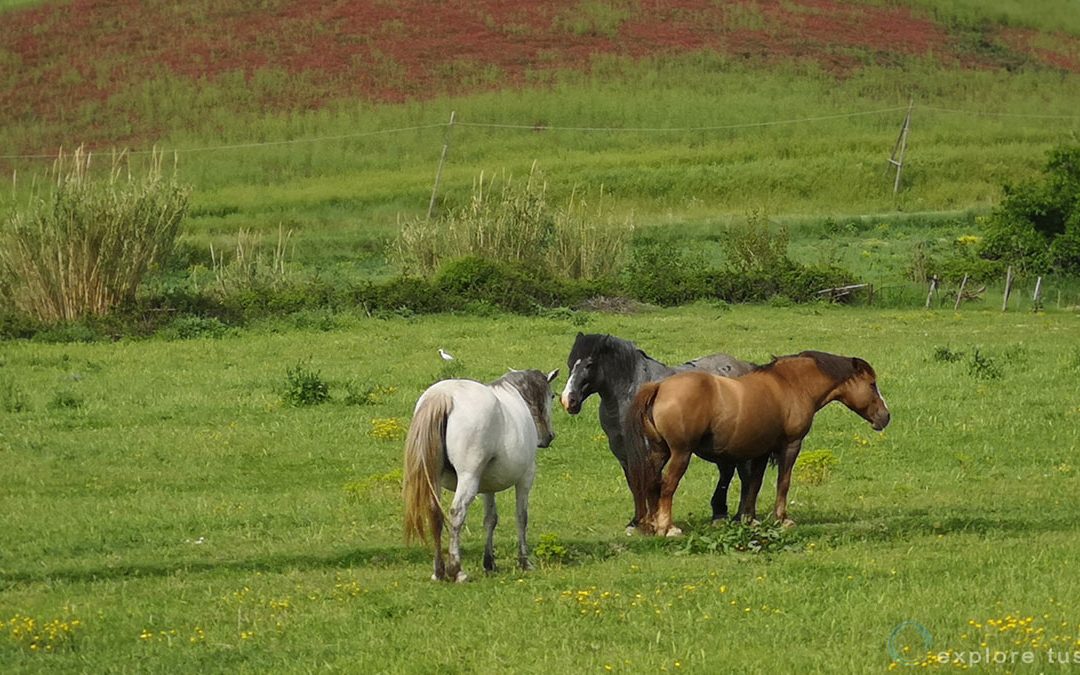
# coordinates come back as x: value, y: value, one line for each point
x: 251, y: 267
x: 550, y: 550
x: 759, y: 268
x: 304, y: 386
x: 983, y: 367
x: 791, y: 280
x: 83, y: 247
x: 512, y: 287
x: 754, y: 245
x: 663, y: 274
x: 514, y: 223
x: 191, y: 327
x: 815, y: 467
x: 1037, y: 225
x: 946, y: 354
x: 12, y: 397
x: 367, y: 394
x: 734, y: 537
x: 65, y: 399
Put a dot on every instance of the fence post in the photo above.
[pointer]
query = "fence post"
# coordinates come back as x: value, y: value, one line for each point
x: 1008, y: 288
x: 960, y: 293
x: 933, y: 290
x: 438, y: 170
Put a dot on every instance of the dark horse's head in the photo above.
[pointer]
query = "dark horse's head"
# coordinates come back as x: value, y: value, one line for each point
x: 590, y: 356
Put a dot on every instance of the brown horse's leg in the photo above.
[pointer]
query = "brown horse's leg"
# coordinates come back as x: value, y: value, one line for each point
x: 785, y: 463
x: 673, y: 473
x: 659, y: 453
x: 751, y: 474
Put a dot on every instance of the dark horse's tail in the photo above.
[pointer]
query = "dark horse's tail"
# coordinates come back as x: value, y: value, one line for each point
x: 641, y: 471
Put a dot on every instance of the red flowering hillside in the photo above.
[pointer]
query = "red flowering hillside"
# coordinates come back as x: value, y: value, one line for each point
x: 75, y: 67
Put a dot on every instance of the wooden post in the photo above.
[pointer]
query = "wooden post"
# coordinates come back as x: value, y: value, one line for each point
x: 960, y: 293
x: 897, y: 157
x: 442, y: 159
x: 933, y: 290
x: 1008, y: 288
x: 1036, y: 297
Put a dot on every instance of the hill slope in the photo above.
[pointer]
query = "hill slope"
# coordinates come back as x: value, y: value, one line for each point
x: 85, y: 71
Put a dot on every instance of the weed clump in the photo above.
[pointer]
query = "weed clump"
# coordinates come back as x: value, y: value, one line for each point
x: 304, y: 386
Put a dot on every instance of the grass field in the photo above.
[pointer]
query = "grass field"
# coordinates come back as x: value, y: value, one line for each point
x: 162, y: 496
x: 164, y: 510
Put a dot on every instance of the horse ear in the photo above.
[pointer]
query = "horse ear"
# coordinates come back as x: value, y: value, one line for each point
x: 552, y: 375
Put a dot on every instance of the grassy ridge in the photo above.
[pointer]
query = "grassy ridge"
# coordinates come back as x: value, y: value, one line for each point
x: 359, y: 186
x: 159, y: 493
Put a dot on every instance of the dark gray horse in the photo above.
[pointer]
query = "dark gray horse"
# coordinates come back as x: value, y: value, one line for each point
x: 614, y: 369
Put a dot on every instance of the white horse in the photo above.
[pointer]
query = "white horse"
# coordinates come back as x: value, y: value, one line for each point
x: 474, y: 438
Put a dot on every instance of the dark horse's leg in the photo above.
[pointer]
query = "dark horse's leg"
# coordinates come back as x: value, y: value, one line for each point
x: 636, y: 518
x: 751, y: 474
x: 719, y: 498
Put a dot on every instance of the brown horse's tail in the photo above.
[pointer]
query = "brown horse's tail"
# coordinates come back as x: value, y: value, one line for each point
x: 425, y: 449
x: 639, y: 430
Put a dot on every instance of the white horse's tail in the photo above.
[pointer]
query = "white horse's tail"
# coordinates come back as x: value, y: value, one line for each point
x: 424, y: 451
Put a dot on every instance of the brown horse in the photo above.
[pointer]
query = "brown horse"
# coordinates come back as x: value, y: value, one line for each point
x: 767, y: 411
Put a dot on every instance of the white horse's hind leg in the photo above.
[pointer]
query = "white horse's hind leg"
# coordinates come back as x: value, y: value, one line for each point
x: 521, y: 492
x: 491, y: 519
x: 467, y: 487
x: 437, y: 525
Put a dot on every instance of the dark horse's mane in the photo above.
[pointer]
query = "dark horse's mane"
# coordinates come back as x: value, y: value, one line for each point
x: 624, y: 353
x: 839, y: 368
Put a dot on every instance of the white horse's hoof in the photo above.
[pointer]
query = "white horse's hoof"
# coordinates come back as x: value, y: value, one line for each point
x: 674, y: 532
x: 787, y: 523
x: 461, y: 577
x: 631, y: 530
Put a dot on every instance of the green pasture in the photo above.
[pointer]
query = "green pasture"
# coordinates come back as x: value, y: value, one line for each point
x: 163, y: 510
x: 712, y: 140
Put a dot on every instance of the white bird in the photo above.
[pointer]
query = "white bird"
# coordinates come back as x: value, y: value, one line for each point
x: 445, y: 356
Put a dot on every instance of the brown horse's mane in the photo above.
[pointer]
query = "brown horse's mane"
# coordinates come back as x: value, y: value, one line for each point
x: 838, y: 368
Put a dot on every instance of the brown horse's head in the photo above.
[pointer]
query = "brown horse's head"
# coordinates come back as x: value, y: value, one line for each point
x: 857, y: 389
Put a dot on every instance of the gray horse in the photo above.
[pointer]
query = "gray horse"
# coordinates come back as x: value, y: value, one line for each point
x: 614, y: 369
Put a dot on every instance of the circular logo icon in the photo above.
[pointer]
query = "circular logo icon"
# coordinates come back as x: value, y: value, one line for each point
x: 908, y: 643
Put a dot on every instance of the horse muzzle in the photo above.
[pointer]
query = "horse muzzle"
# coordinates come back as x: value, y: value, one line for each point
x: 571, y: 404
x: 880, y: 421
x: 546, y: 441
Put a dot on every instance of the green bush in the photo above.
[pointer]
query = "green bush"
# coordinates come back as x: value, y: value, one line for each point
x: 1037, y: 226
x: 755, y: 245
x: 304, y: 386
x: 515, y: 223
x: 191, y: 327
x: 82, y: 246
x: 664, y: 274
x: 791, y: 280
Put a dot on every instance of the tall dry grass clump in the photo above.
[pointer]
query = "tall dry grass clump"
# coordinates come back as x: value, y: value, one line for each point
x: 85, y: 240
x: 515, y: 222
